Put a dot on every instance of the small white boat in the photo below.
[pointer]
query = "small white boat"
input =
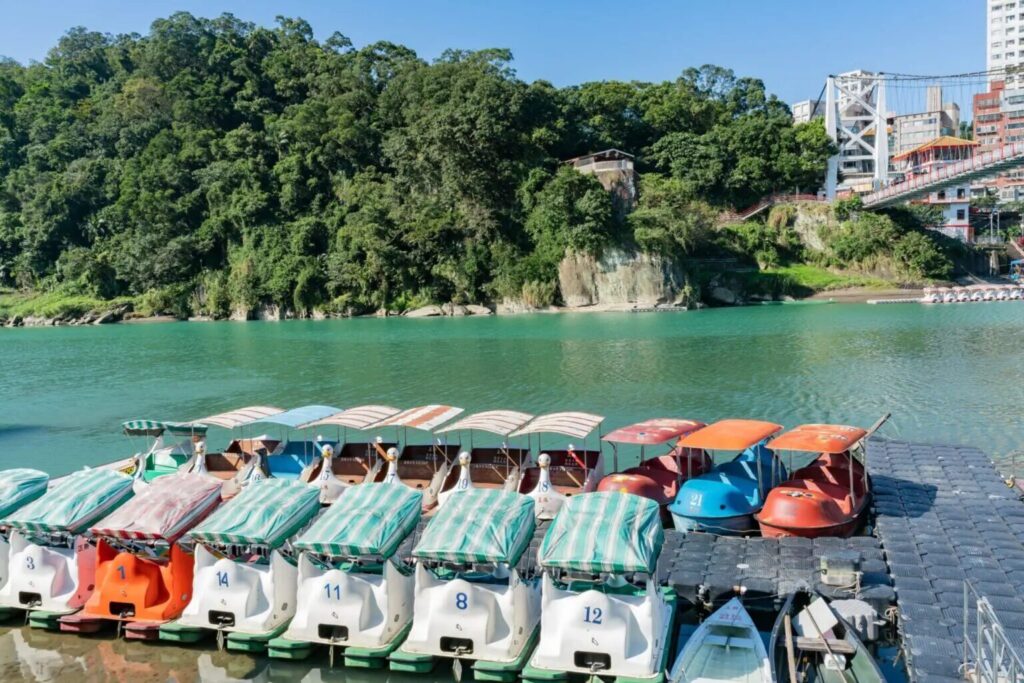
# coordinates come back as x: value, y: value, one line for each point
x: 726, y: 647
x: 559, y: 474
x: 602, y: 611
x: 353, y: 592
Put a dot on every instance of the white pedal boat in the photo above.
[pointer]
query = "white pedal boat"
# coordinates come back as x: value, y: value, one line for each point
x: 353, y: 591
x: 352, y: 462
x: 488, y: 467
x: 726, y: 647
x: 471, y: 602
x: 18, y: 487
x: 559, y: 474
x: 51, y: 565
x: 245, y: 576
x: 602, y: 611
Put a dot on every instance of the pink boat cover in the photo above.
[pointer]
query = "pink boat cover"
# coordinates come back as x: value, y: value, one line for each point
x: 426, y: 418
x: 654, y: 431
x: 164, y: 510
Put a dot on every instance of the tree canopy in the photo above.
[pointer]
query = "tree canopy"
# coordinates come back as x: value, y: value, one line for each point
x: 234, y: 164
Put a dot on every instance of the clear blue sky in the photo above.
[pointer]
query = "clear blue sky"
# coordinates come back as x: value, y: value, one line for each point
x: 790, y: 44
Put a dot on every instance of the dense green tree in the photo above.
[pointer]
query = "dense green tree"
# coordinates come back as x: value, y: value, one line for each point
x: 217, y: 165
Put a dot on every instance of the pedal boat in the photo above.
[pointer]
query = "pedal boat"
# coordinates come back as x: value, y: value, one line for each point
x: 724, y: 500
x: 559, y: 474
x: 810, y: 642
x: 352, y: 462
x: 488, y: 467
x: 239, y: 453
x: 143, y: 572
x: 829, y: 496
x: 660, y: 477
x: 245, y: 573
x: 280, y: 456
x: 472, y: 602
x: 171, y: 449
x: 726, y: 647
x: 354, y: 591
x: 51, y: 563
x: 18, y: 487
x: 423, y: 467
x: 603, y: 613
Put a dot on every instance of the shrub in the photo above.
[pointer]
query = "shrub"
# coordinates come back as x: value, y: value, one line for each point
x: 919, y: 255
x: 539, y: 293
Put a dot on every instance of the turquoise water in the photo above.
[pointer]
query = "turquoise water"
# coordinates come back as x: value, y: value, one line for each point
x: 947, y: 373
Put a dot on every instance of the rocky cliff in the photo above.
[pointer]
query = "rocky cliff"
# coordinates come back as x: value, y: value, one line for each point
x: 620, y: 278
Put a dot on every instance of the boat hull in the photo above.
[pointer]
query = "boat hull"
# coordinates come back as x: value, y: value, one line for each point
x: 737, y: 525
x: 48, y: 578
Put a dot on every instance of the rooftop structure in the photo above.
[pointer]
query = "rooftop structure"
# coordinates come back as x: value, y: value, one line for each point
x: 614, y: 170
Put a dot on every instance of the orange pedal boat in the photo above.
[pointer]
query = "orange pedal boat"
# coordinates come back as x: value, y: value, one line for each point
x: 660, y: 477
x: 143, y: 574
x: 829, y: 496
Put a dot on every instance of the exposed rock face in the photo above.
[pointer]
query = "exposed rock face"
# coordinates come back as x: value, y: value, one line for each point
x: 810, y: 219
x: 476, y: 309
x: 424, y: 312
x: 620, y: 277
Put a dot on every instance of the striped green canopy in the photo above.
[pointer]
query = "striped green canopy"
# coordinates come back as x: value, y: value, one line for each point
x: 74, y: 504
x: 604, y: 532
x: 266, y: 512
x: 479, y: 525
x: 20, y: 486
x: 158, y: 427
x: 369, y: 519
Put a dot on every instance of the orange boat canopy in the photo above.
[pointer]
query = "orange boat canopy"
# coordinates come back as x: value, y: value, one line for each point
x: 819, y: 438
x: 650, y: 432
x: 730, y: 435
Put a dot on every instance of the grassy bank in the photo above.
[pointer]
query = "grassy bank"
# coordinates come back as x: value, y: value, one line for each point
x: 52, y: 304
x: 805, y: 277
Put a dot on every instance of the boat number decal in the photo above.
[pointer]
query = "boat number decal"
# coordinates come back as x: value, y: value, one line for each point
x: 461, y: 600
x: 333, y: 589
x: 222, y: 579
x: 463, y: 484
x: 592, y: 615
x: 544, y: 486
x: 120, y: 570
x: 696, y: 498
x: 30, y: 563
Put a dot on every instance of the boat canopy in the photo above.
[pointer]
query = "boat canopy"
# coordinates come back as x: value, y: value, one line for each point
x: 20, y: 486
x: 427, y: 418
x: 267, y: 512
x: 239, y: 417
x: 731, y: 435
x: 651, y: 432
x: 500, y: 422
x: 164, y: 510
x: 577, y: 425
x: 819, y: 438
x: 479, y: 525
x: 355, y: 418
x: 296, y: 416
x: 74, y: 504
x: 367, y: 520
x: 157, y: 428
x: 605, y: 532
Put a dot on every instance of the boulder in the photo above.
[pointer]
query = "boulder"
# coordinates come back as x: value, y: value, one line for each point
x: 476, y: 309
x: 105, y: 318
x: 724, y: 295
x: 457, y: 310
x: 424, y: 312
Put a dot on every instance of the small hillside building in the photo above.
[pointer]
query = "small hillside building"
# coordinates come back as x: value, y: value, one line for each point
x: 955, y: 201
x: 614, y: 170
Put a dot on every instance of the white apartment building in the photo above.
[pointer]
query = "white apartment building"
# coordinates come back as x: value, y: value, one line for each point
x: 1005, y: 21
x: 806, y: 110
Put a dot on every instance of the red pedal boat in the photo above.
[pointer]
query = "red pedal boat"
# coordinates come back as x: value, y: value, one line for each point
x: 829, y: 496
x: 660, y: 477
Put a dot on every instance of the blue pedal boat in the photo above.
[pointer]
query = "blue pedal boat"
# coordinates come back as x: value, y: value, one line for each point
x: 724, y: 500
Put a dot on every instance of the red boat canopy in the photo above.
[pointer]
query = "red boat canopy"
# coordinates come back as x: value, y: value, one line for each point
x: 650, y: 432
x: 730, y: 435
x: 818, y: 438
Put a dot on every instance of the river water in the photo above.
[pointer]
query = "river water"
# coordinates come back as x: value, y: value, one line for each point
x: 947, y: 373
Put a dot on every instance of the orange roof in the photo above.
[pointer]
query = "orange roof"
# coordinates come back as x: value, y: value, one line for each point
x: 730, y: 435
x: 818, y: 438
x: 941, y: 141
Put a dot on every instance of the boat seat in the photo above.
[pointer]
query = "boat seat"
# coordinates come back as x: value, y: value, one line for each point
x: 730, y: 642
x: 287, y: 466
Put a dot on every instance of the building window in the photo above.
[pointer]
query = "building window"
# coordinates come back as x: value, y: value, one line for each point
x: 960, y: 215
x: 960, y: 193
x: 942, y: 194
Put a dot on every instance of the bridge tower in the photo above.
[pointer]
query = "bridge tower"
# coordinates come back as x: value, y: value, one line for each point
x: 855, y: 119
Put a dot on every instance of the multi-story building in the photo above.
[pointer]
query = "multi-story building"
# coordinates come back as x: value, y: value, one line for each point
x: 807, y: 110
x: 989, y: 119
x: 1005, y: 22
x: 954, y: 201
x: 913, y: 130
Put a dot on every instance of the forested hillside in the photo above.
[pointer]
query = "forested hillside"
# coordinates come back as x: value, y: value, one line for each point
x: 215, y: 165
